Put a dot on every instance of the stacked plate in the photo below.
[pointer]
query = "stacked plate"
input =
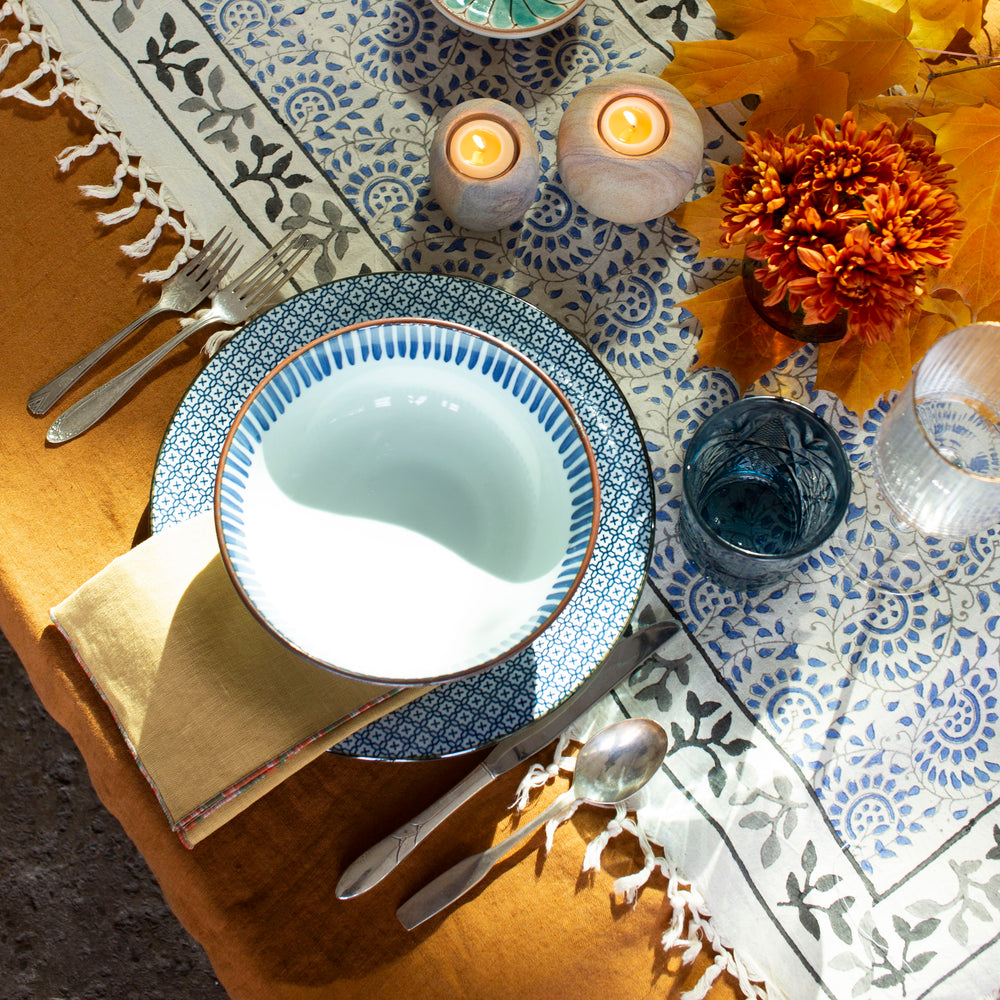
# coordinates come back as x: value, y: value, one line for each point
x: 592, y: 590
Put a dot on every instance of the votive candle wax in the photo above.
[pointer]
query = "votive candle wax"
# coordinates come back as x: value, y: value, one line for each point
x: 484, y: 165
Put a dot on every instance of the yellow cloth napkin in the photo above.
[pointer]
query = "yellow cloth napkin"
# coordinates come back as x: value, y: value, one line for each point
x: 215, y: 710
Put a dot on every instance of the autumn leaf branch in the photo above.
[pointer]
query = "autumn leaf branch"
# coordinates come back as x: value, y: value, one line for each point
x: 884, y: 64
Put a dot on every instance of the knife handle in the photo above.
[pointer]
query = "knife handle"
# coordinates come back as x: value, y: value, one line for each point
x: 378, y: 861
x: 460, y: 878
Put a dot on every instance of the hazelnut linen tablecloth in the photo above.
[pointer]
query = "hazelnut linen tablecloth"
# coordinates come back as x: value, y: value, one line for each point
x: 257, y: 894
x: 830, y: 786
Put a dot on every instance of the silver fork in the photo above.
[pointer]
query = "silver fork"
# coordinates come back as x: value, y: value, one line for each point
x: 239, y: 301
x: 198, y: 279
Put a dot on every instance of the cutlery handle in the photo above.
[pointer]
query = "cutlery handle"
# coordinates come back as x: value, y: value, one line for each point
x: 626, y: 655
x: 380, y: 860
x: 42, y: 400
x: 460, y: 878
x: 82, y: 415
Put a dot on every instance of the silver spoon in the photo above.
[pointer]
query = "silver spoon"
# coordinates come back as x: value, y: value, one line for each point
x: 612, y: 765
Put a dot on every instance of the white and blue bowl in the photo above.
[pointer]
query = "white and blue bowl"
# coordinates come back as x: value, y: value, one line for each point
x: 414, y: 455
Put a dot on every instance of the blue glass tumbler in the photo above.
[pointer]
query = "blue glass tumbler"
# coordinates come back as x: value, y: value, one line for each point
x: 765, y: 482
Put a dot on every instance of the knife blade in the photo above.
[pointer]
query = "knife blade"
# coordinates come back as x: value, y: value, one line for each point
x: 625, y: 656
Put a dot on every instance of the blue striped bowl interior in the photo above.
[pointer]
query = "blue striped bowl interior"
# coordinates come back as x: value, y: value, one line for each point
x: 415, y: 453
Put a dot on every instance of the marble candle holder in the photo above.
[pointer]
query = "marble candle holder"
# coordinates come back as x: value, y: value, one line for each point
x: 622, y: 187
x: 484, y: 204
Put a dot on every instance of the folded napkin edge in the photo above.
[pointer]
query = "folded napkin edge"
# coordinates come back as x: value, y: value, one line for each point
x: 342, y: 727
x: 114, y: 715
x: 198, y: 818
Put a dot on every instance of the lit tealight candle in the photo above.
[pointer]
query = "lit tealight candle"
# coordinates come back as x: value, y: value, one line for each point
x: 484, y: 165
x: 482, y: 148
x: 630, y: 147
x: 633, y: 125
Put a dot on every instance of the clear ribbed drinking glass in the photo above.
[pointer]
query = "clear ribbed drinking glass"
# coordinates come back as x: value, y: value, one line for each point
x: 937, y: 453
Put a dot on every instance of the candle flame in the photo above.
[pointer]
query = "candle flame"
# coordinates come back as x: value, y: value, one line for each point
x: 484, y: 146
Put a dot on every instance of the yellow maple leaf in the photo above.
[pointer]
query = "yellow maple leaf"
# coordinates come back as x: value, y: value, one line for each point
x: 936, y: 22
x: 759, y: 60
x: 817, y: 92
x: 859, y: 373
x: 776, y: 17
x: 969, y: 139
x: 939, y: 311
x: 717, y: 71
x: 701, y: 218
x: 989, y: 313
x: 733, y: 336
x: 896, y: 108
x: 943, y: 302
x: 973, y: 86
x: 869, y: 45
x: 803, y: 59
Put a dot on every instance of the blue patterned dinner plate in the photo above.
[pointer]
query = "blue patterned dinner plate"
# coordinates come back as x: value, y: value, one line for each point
x: 472, y: 712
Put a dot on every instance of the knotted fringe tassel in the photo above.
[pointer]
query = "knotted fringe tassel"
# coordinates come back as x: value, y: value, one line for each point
x: 690, y: 925
x: 64, y: 83
x: 218, y: 339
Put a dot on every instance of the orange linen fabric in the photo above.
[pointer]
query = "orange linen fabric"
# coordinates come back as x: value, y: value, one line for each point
x: 258, y: 893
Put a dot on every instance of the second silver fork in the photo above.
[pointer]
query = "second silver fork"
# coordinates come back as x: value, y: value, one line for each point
x: 238, y: 302
x: 193, y: 283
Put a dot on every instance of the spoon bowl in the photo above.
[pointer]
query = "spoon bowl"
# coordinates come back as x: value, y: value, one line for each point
x: 616, y: 762
x: 612, y: 766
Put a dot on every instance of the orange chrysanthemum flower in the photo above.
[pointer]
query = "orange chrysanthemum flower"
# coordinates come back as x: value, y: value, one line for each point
x: 843, y: 219
x: 758, y: 189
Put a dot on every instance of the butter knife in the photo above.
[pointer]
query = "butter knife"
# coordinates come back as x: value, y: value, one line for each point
x: 625, y: 656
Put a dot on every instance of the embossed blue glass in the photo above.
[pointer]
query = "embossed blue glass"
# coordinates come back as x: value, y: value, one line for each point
x: 765, y: 482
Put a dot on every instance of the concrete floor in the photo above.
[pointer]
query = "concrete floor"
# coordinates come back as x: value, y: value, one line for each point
x: 81, y: 917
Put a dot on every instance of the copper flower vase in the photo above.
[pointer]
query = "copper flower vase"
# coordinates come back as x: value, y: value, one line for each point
x: 782, y: 319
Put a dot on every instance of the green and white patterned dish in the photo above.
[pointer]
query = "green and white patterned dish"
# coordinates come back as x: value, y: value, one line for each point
x: 509, y: 18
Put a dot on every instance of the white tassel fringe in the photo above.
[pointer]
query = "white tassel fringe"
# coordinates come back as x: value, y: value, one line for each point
x: 690, y: 927
x: 64, y: 83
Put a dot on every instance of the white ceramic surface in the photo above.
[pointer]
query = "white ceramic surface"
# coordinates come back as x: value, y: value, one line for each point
x: 419, y: 444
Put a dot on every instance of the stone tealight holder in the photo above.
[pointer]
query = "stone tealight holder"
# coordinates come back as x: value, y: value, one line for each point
x: 634, y: 186
x: 464, y: 188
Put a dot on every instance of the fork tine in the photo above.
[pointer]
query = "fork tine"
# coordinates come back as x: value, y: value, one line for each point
x: 210, y: 254
x: 204, y: 252
x: 221, y: 269
x: 262, y: 264
x: 281, y: 270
